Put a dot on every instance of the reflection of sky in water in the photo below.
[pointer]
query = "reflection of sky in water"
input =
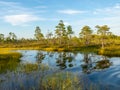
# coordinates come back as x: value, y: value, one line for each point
x: 115, y: 60
x: 109, y: 76
x: 29, y: 56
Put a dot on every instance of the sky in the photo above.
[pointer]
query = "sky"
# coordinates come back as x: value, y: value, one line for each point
x: 22, y: 16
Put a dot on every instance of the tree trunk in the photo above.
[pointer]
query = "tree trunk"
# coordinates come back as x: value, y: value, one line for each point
x: 102, y: 43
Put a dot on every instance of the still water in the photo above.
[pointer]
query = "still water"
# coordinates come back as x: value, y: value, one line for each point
x: 98, y: 69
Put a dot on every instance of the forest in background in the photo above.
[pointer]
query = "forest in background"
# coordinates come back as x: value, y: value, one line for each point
x: 63, y: 39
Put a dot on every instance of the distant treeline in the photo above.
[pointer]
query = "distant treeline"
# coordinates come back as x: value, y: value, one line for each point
x: 64, y: 37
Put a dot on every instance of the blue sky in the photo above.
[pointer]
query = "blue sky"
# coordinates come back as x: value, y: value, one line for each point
x: 22, y: 16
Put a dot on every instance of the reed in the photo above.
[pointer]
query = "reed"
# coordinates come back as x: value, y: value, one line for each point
x: 61, y: 81
x: 10, y: 56
x: 111, y: 51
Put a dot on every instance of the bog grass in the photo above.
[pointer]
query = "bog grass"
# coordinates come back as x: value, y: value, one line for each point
x: 39, y: 77
x: 8, y: 54
x: 61, y: 81
x: 111, y: 51
x: 108, y: 50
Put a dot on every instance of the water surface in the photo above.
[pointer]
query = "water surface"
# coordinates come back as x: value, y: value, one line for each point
x: 101, y: 70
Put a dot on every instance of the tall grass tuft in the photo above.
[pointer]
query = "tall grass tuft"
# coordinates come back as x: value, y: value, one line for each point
x: 61, y: 81
x: 10, y: 56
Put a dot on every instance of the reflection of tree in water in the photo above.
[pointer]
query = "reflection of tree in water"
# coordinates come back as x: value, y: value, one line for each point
x: 40, y: 56
x: 90, y: 65
x: 50, y: 54
x: 104, y: 63
x: 87, y: 66
x: 63, y: 59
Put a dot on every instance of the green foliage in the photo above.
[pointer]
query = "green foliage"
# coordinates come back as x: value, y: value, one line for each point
x: 29, y: 67
x: 9, y: 61
x: 1, y: 37
x: 111, y: 50
x: 38, y: 35
x: 11, y: 37
x: 63, y: 40
x: 85, y: 31
x: 10, y: 56
x: 69, y: 31
x: 61, y: 81
x: 60, y: 29
x: 102, y: 30
x: 49, y: 35
x: 86, y: 34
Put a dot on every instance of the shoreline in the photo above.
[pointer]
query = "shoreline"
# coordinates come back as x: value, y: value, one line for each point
x: 100, y: 51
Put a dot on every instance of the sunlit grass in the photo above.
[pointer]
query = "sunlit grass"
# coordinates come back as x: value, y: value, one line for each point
x: 113, y: 50
x: 4, y: 50
x: 29, y: 67
x: 61, y: 81
x: 109, y: 50
x: 8, y: 54
x: 39, y: 77
x: 9, y: 60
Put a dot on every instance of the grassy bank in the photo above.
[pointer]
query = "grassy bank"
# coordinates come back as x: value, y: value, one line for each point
x: 8, y: 54
x: 82, y: 48
x: 113, y: 50
x: 39, y: 77
x: 110, y: 51
x: 61, y: 81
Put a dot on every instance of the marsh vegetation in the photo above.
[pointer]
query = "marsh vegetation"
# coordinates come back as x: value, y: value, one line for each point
x: 60, y: 60
x: 50, y: 70
x: 63, y: 38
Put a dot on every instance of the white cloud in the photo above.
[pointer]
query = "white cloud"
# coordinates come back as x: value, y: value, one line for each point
x: 41, y: 7
x: 20, y: 19
x: 15, y: 13
x: 13, y: 8
x: 66, y: 23
x: 117, y: 6
x: 112, y: 22
x: 70, y: 11
x: 110, y: 11
x: 10, y: 4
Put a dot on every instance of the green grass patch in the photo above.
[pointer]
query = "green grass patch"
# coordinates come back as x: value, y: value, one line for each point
x: 10, y: 56
x: 111, y: 51
x: 29, y: 67
x: 61, y: 81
